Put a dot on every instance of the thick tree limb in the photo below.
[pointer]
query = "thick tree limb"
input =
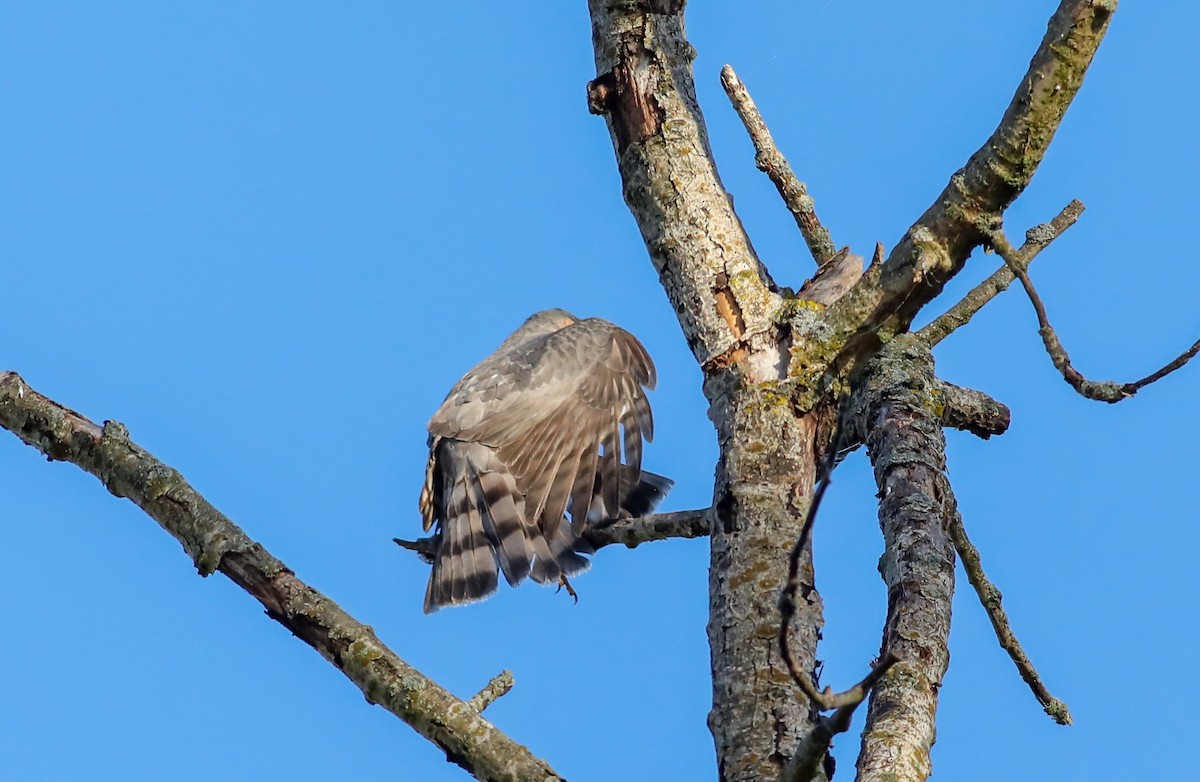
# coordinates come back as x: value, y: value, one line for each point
x: 991, y: 599
x: 1037, y: 239
x: 723, y: 296
x: 727, y: 306
x: 771, y: 162
x: 894, y: 406
x: 216, y: 544
x: 1102, y: 390
x: 937, y: 245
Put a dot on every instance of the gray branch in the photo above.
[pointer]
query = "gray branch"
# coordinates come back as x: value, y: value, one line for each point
x: 771, y: 162
x: 937, y: 245
x: 992, y: 601
x: 894, y: 407
x: 630, y: 533
x: 216, y: 544
x: 497, y: 688
x: 807, y: 763
x: 1037, y: 239
x: 972, y: 411
x: 1098, y: 390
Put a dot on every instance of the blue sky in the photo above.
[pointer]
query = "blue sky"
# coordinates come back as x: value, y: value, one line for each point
x: 268, y: 237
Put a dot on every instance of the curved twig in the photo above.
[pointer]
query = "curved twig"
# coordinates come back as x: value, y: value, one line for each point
x: 1099, y: 390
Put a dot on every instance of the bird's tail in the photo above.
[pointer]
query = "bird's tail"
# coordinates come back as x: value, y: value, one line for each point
x: 641, y: 492
x: 643, y: 497
x: 481, y: 516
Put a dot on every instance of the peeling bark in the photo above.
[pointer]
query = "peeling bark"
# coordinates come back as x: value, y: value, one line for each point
x: 721, y: 293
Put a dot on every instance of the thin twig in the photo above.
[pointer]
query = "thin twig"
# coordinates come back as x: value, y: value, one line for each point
x: 1184, y: 357
x: 1036, y: 239
x: 497, y: 688
x: 1102, y: 390
x: 770, y: 161
x: 629, y: 532
x: 806, y: 762
x: 826, y: 699
x: 991, y: 599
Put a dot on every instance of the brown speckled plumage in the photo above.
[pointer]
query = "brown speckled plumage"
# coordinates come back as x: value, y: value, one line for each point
x: 549, y: 425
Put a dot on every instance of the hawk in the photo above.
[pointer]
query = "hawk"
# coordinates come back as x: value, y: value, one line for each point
x: 549, y: 425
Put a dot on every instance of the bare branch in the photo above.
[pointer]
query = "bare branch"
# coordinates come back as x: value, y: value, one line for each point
x: 497, y: 688
x: 826, y: 699
x: 644, y: 88
x: 973, y: 411
x: 216, y: 544
x: 425, y: 548
x: 1102, y: 390
x: 990, y: 598
x: 630, y: 533
x: 1037, y: 239
x: 806, y: 763
x: 1153, y: 377
x: 937, y: 245
x: 787, y: 598
x: 770, y: 161
x: 895, y: 404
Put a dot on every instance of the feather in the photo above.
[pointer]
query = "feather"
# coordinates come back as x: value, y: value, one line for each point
x: 552, y: 423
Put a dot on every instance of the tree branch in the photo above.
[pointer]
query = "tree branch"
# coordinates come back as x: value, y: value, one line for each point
x: 497, y: 688
x: 771, y: 161
x: 216, y: 544
x: 722, y: 294
x: 806, y: 764
x: 826, y: 699
x: 895, y: 405
x: 630, y: 533
x: 1037, y: 239
x: 972, y: 411
x: 934, y: 249
x: 991, y: 599
x: 1103, y: 390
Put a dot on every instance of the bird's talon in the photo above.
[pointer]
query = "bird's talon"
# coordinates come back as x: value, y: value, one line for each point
x: 563, y: 582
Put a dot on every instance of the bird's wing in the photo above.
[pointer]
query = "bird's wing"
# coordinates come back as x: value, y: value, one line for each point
x: 554, y: 408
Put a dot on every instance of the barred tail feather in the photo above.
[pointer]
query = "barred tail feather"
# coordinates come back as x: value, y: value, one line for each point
x: 481, y: 527
x: 644, y: 497
x: 464, y: 567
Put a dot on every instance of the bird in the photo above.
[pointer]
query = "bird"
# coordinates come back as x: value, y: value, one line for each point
x: 550, y: 425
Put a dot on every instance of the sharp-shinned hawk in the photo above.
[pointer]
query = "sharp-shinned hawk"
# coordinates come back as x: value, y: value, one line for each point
x: 531, y: 434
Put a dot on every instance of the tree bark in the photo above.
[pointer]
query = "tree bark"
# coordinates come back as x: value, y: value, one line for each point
x: 764, y: 487
x: 897, y: 407
x: 726, y: 304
